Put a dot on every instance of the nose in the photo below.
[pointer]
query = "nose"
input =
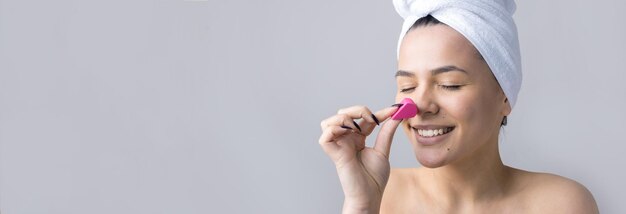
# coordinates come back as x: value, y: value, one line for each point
x: 425, y: 102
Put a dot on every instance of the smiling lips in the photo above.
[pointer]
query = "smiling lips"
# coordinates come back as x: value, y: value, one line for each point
x: 432, y: 132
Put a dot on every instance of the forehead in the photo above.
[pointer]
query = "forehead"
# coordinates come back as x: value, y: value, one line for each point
x: 436, y: 45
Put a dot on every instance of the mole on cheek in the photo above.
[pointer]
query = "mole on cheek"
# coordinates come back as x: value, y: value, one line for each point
x: 448, y: 149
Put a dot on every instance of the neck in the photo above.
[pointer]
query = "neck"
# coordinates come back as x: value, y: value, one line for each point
x: 479, y: 177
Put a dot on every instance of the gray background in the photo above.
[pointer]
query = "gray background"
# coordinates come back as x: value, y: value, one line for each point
x: 214, y: 106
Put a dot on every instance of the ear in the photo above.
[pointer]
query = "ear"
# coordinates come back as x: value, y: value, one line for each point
x: 506, y: 110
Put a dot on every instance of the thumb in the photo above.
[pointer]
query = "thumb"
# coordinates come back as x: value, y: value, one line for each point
x: 385, y: 136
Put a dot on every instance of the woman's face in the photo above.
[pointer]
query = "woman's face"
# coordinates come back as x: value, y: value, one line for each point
x: 455, y: 92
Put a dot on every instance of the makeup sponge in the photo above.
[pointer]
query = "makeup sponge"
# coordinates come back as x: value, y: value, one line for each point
x: 407, y: 110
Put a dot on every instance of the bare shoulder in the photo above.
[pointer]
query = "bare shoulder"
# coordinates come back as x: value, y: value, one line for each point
x: 550, y: 193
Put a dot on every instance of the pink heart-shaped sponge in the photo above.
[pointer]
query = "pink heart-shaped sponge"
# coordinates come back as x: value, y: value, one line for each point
x: 407, y: 110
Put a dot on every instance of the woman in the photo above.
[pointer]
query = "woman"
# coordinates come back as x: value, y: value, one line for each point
x: 464, y: 74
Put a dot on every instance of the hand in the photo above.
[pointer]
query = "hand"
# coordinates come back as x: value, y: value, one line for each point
x: 363, y: 171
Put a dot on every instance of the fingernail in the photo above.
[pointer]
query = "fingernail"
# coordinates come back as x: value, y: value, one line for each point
x: 346, y: 127
x: 375, y: 119
x: 397, y: 105
x: 357, y: 125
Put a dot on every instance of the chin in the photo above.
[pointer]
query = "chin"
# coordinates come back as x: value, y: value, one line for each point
x: 431, y: 159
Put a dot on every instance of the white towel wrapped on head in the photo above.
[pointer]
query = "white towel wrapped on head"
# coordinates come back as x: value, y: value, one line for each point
x: 487, y: 24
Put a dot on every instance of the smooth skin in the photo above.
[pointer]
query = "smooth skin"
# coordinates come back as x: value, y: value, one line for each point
x: 463, y: 173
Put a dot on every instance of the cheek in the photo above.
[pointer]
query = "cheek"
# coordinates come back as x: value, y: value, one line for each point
x: 470, y: 113
x: 473, y: 114
x: 462, y: 108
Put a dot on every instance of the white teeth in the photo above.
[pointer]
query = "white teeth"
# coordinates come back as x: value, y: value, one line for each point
x: 433, y: 132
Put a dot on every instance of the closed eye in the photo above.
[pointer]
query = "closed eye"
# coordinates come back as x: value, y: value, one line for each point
x: 451, y: 87
x: 406, y: 90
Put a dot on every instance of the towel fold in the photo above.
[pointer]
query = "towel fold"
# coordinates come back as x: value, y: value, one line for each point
x: 487, y: 24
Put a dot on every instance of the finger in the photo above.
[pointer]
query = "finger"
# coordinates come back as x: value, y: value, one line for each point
x: 381, y: 115
x: 369, y: 122
x: 385, y: 136
x: 327, y: 139
x: 386, y: 113
x: 341, y: 120
x: 357, y: 112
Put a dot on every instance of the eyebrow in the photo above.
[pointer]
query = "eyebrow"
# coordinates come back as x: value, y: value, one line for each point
x: 433, y: 72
